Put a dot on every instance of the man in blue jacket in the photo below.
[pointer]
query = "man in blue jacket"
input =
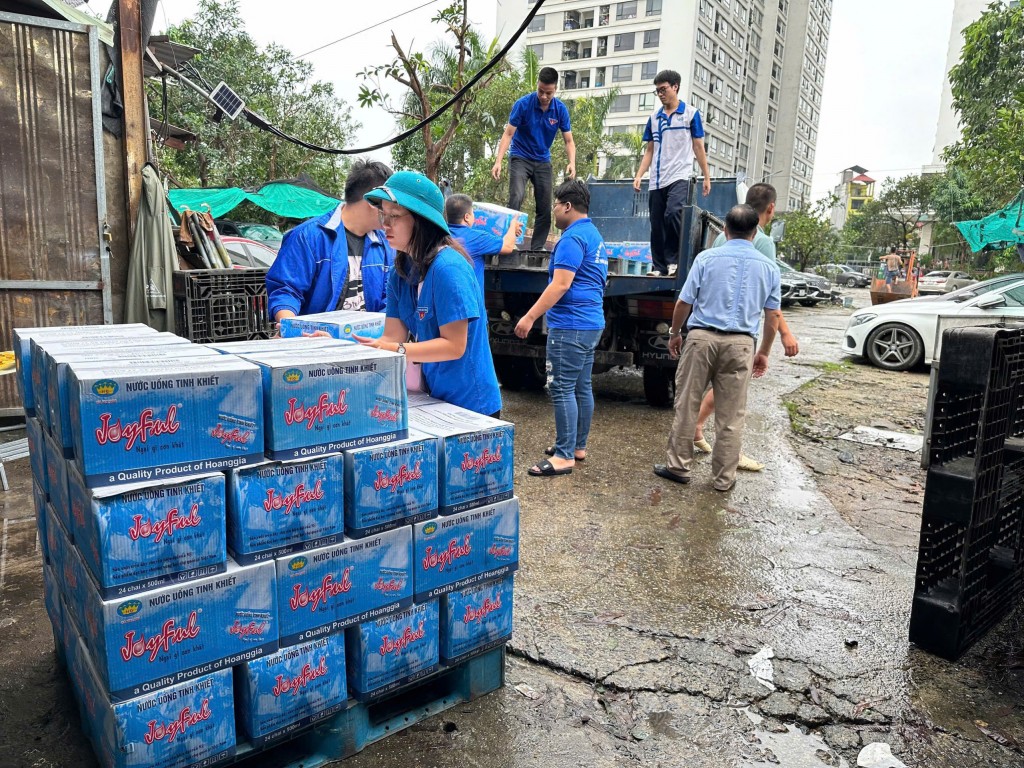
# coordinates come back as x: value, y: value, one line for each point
x: 336, y: 261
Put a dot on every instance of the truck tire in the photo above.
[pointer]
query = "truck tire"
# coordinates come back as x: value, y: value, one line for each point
x: 517, y: 374
x: 659, y: 386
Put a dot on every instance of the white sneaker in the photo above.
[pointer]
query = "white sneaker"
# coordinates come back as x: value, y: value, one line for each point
x: 655, y: 273
x: 671, y: 269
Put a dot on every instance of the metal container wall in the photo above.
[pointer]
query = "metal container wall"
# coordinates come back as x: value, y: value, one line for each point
x: 51, y: 196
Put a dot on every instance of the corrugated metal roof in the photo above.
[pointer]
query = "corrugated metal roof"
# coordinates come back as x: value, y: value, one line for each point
x: 55, y: 9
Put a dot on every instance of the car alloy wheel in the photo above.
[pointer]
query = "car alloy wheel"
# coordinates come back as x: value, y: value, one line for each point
x: 895, y: 347
x: 851, y: 283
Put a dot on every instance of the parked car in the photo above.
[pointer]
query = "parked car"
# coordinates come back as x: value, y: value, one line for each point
x: 262, y: 233
x: 248, y: 254
x: 794, y: 288
x: 943, y: 281
x: 841, y: 274
x: 901, y: 334
x: 819, y: 289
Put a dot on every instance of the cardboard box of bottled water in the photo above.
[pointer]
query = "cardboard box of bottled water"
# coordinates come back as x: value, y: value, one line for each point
x: 475, y: 454
x: 39, y: 504
x: 280, y: 507
x: 475, y: 619
x: 23, y: 349
x: 629, y: 251
x: 322, y: 591
x: 168, y: 420
x: 387, y: 653
x: 342, y: 324
x: 327, y: 400
x: 185, y: 725
x: 285, y: 691
x: 496, y: 219
x: 390, y: 485
x: 462, y: 550
x: 274, y: 345
x: 53, y: 600
x: 36, y: 451
x: 88, y: 347
x: 57, y: 481
x: 135, y: 538
x: 168, y: 635
x: 58, y: 397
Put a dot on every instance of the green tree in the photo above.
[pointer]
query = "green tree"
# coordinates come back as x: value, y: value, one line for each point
x: 988, y: 94
x: 273, y: 84
x: 624, y: 162
x: 808, y: 238
x: 431, y: 81
x: 894, y: 217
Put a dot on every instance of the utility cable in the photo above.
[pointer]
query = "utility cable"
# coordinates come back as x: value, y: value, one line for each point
x: 366, y: 29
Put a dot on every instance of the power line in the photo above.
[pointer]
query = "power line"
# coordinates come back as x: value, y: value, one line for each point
x: 367, y: 29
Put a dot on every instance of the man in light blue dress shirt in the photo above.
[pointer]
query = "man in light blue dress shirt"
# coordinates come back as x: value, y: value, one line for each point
x: 719, y: 309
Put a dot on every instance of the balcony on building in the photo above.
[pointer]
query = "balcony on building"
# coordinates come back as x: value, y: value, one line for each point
x: 569, y: 81
x: 602, y: 46
x: 578, y: 20
x: 570, y: 50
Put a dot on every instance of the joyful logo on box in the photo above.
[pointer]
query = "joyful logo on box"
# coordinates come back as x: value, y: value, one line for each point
x: 297, y: 413
x: 478, y: 463
x: 500, y: 550
x: 138, y: 645
x: 185, y: 720
x: 474, y: 614
x: 294, y: 685
x: 144, y: 428
x: 234, y: 436
x: 444, y: 558
x: 328, y: 588
x: 254, y: 629
x: 174, y: 521
x: 294, y: 500
x: 105, y: 388
x: 401, y: 477
x: 403, y: 641
x: 390, y: 582
x: 387, y: 416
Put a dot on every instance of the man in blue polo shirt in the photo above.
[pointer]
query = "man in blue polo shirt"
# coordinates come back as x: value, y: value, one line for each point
x: 339, y: 260
x: 675, y: 138
x: 535, y: 120
x: 458, y: 212
x: 720, y: 306
x: 574, y: 303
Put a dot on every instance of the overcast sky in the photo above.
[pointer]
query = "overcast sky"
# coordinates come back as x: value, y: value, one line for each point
x: 882, y: 82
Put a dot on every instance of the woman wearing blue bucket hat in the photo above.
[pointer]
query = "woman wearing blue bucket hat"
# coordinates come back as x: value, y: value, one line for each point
x: 435, y: 315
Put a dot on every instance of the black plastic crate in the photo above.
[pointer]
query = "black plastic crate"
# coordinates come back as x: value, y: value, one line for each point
x: 222, y: 305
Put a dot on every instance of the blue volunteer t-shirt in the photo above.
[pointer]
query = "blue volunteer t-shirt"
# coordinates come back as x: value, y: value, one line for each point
x: 580, y: 249
x: 450, y: 293
x: 478, y: 244
x: 536, y: 128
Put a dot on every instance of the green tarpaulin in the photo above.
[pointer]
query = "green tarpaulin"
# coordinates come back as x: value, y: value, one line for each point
x: 286, y: 200
x: 997, y: 230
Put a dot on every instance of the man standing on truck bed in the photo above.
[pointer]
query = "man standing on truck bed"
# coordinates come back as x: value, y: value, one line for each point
x: 675, y: 137
x: 531, y: 129
x: 718, y: 311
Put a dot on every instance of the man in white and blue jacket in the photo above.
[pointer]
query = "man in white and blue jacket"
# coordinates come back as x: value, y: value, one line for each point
x: 336, y: 261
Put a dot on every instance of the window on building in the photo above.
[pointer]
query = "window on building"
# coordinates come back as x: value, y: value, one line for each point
x: 625, y: 42
x: 648, y: 70
x: 621, y: 103
x: 698, y: 101
x: 768, y: 157
x: 776, y: 71
x: 752, y: 63
x: 652, y: 38
x: 780, y: 28
x: 732, y: 95
x: 537, y: 25
x: 706, y: 10
x: 599, y: 77
x: 779, y: 48
x: 743, y: 152
x: 602, y: 46
x: 745, y: 129
x: 625, y: 10
x: 653, y: 7
x: 769, y: 137
x: 773, y: 115
x: 537, y: 50
x: 603, y: 15
x: 773, y: 92
x: 622, y: 73
x: 703, y: 41
x: 646, y: 101
x: 755, y: 41
x: 716, y: 85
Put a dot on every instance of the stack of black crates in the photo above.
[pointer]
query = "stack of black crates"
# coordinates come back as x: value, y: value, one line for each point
x: 214, y: 305
x: 970, y: 567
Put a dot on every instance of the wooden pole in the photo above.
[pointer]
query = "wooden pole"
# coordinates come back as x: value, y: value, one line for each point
x: 136, y: 126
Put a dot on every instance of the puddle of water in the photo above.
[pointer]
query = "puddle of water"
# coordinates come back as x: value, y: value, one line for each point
x: 795, y: 749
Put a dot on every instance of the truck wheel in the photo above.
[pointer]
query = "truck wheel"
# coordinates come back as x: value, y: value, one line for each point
x: 659, y: 386
x: 521, y: 373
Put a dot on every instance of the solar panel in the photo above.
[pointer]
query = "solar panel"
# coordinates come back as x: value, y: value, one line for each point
x: 229, y: 101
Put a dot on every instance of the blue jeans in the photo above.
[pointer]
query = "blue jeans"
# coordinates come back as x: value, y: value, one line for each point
x: 571, y: 354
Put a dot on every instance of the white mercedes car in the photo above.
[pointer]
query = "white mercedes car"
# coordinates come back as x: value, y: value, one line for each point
x: 901, y: 334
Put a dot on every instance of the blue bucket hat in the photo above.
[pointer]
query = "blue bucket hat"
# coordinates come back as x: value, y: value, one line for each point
x: 415, y: 192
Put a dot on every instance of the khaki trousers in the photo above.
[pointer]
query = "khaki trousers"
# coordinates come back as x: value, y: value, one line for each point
x: 724, y: 361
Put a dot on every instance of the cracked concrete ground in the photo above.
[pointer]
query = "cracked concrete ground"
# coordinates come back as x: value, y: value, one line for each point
x: 640, y: 604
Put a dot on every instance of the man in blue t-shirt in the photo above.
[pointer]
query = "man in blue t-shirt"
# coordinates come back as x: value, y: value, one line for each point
x: 574, y: 303
x: 479, y: 244
x: 535, y: 120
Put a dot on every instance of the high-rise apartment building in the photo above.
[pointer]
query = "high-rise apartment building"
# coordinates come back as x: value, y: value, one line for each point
x: 754, y: 68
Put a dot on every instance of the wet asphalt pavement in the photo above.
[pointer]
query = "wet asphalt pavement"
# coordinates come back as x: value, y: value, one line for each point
x: 639, y: 606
